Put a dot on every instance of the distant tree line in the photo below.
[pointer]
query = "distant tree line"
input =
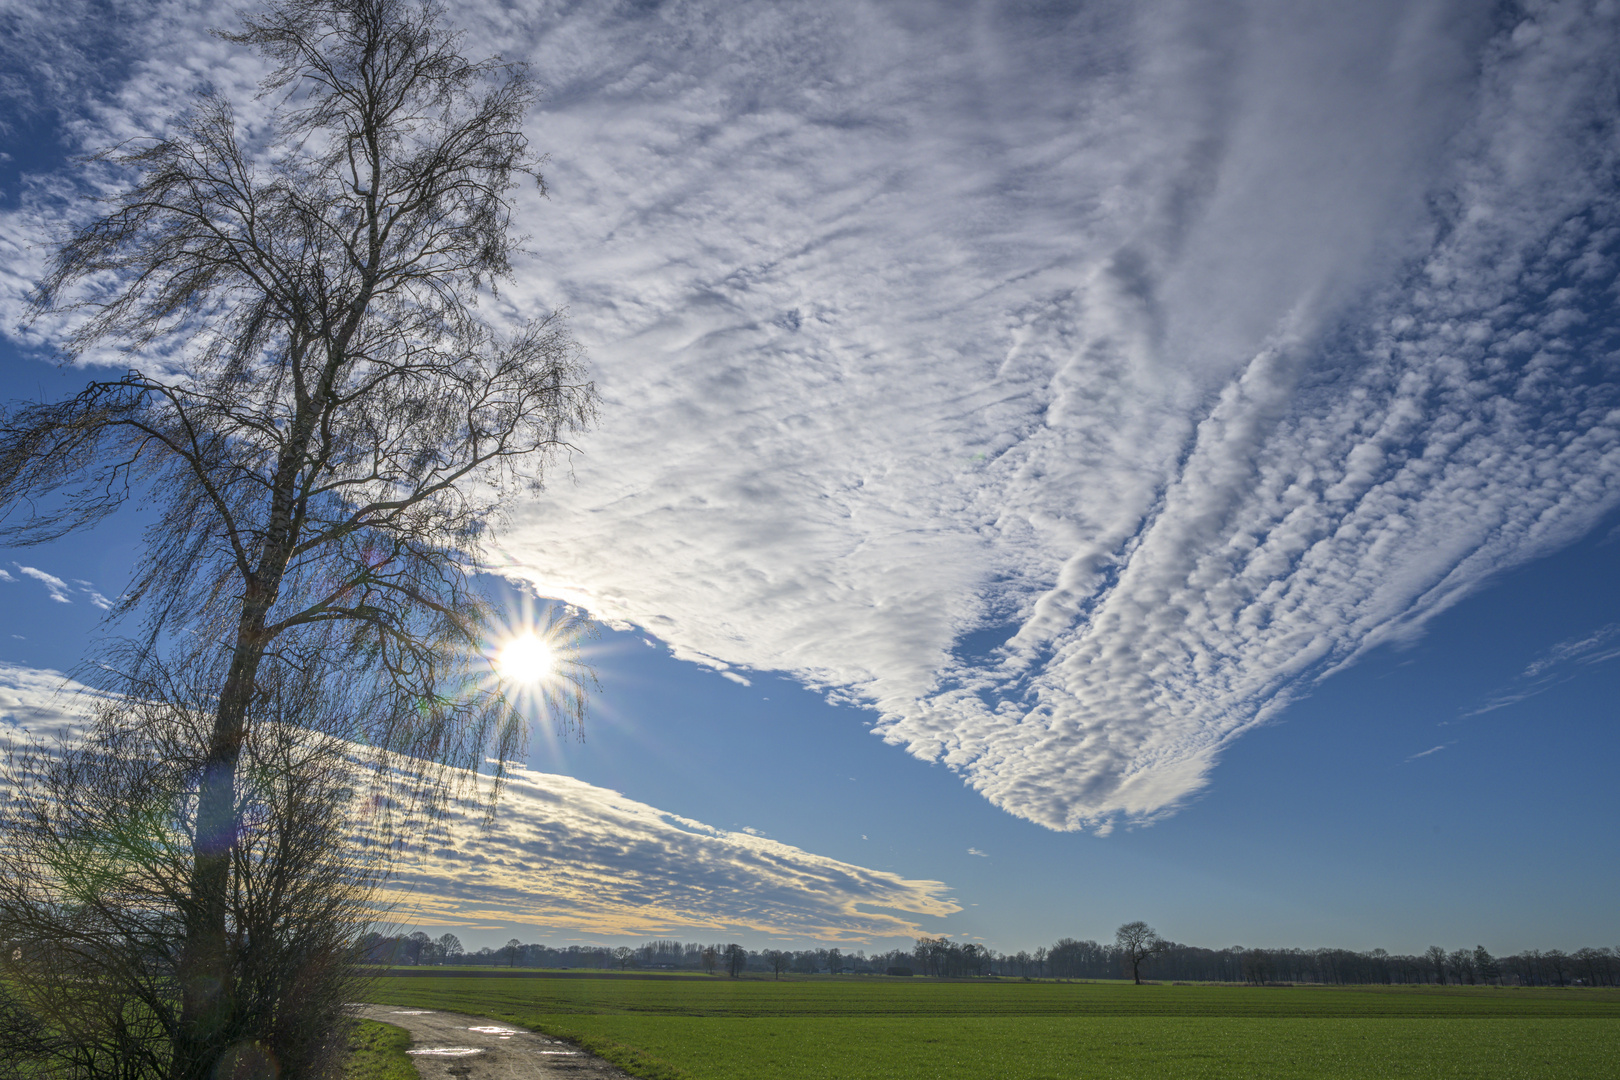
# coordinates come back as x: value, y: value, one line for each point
x: 1067, y: 958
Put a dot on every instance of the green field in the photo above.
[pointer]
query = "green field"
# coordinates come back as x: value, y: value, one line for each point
x: 377, y: 1052
x: 846, y: 1029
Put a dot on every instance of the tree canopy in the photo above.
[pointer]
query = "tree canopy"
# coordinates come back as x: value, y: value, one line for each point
x: 323, y: 415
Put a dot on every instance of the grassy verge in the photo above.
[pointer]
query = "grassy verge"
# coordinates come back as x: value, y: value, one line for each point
x: 377, y: 1052
x: 817, y: 1029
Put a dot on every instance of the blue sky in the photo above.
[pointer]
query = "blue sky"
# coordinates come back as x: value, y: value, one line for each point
x: 1058, y: 465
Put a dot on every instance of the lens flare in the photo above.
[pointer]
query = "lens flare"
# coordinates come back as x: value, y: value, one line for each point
x: 525, y: 659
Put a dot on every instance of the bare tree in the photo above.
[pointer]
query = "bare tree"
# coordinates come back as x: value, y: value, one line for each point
x: 1436, y: 957
x: 1558, y: 962
x: 1137, y: 942
x: 1594, y: 962
x: 623, y: 955
x: 711, y: 959
x: 736, y: 960
x: 1484, y: 963
x: 333, y: 425
x: 95, y: 885
x: 779, y: 961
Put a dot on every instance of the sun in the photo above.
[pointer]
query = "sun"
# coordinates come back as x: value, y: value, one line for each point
x: 525, y: 659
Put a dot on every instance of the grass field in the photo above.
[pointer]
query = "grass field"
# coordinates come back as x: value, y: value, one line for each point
x: 377, y: 1052
x: 848, y: 1029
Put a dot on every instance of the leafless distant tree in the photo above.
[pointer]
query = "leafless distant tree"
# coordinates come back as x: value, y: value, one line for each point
x: 1484, y: 963
x: 1558, y: 963
x: 1137, y: 942
x: 324, y: 422
x: 447, y: 946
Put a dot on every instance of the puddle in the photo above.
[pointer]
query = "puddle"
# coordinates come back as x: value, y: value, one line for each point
x: 412, y: 1012
x: 447, y: 1051
x: 561, y: 1053
x: 504, y: 1032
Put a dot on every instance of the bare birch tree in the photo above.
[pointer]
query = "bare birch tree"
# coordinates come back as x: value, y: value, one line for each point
x: 324, y: 421
x: 96, y: 883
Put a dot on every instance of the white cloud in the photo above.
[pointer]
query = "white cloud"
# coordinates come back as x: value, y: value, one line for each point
x: 54, y: 585
x: 1552, y: 667
x: 96, y: 598
x: 563, y: 854
x: 1176, y: 364
x: 1195, y: 348
x: 37, y: 703
x: 1594, y: 648
x: 976, y: 851
x: 567, y: 855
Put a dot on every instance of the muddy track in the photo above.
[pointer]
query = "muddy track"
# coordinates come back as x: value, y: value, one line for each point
x: 454, y: 1046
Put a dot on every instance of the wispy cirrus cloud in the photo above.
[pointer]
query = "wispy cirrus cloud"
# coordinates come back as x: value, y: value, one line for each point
x: 1600, y: 645
x: 1184, y: 351
x: 1555, y: 666
x: 570, y: 856
x: 54, y: 585
x: 58, y: 589
x: 96, y: 598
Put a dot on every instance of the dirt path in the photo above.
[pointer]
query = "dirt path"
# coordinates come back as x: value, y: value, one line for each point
x: 453, y: 1046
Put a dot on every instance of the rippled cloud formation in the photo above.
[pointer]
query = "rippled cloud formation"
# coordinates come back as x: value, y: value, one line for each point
x: 563, y: 853
x: 570, y: 856
x: 1070, y: 387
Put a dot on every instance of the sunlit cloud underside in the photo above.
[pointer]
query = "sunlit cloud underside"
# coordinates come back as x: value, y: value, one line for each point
x: 565, y: 856
x: 1185, y: 350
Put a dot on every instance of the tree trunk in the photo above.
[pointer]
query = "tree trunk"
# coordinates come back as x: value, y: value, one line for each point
x: 207, y: 989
